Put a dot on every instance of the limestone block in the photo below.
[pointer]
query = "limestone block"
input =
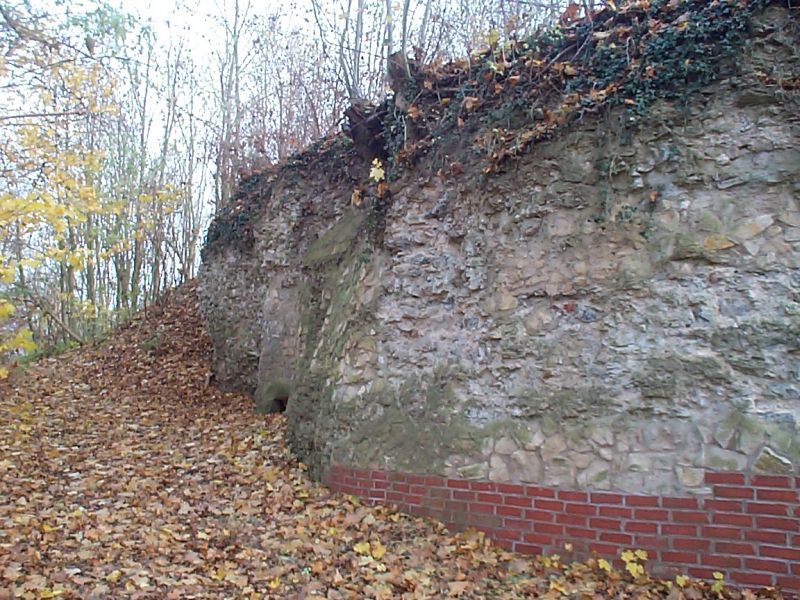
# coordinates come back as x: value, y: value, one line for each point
x: 526, y: 466
x: 474, y: 471
x: 751, y: 436
x: 559, y: 472
x: 790, y: 218
x: 577, y: 441
x: 769, y: 461
x: 582, y: 460
x: 750, y: 228
x: 629, y: 481
x: 724, y: 460
x: 505, y: 445
x: 487, y: 448
x: 606, y: 453
x: 505, y: 301
x: 561, y: 226
x: 596, y: 475
x: 535, y: 440
x: 637, y: 462
x: 725, y: 434
x: 785, y: 438
x: 602, y: 436
x: 450, y: 471
x: 658, y: 436
x: 691, y: 477
x: 792, y: 234
x: 539, y: 321
x: 553, y: 447
x: 498, y: 469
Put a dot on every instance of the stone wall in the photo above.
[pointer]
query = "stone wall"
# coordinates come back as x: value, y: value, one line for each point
x: 619, y: 310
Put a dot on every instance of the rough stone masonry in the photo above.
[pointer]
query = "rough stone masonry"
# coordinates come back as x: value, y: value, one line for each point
x: 620, y: 310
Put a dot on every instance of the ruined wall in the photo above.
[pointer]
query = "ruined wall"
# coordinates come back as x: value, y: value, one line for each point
x: 619, y: 310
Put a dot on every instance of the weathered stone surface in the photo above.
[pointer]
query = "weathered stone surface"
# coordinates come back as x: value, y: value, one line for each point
x: 725, y: 434
x: 790, y: 218
x: 691, y: 476
x: 602, y: 436
x: 560, y: 472
x: 750, y: 228
x: 552, y: 322
x: 596, y: 475
x: 526, y: 466
x: 582, y: 461
x: 725, y: 460
x: 769, y: 461
x: 474, y: 471
x: 553, y: 447
x: 498, y: 469
x: 535, y: 440
x: 505, y: 445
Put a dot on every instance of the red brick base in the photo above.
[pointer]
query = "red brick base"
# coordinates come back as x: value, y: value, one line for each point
x: 748, y: 528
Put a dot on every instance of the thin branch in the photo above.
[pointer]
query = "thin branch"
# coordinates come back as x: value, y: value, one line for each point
x: 23, y: 32
x: 68, y: 113
x: 44, y: 306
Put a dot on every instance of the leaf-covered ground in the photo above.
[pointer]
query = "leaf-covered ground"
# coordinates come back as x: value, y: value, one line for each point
x: 123, y: 473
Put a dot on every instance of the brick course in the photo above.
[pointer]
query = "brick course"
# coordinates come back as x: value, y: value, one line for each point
x: 748, y: 528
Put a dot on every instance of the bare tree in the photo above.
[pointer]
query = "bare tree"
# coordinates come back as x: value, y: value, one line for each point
x: 231, y: 61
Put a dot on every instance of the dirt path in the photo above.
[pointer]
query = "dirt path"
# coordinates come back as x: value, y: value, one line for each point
x: 125, y: 475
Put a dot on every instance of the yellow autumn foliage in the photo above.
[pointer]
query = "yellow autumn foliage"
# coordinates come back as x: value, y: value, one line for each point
x: 50, y: 183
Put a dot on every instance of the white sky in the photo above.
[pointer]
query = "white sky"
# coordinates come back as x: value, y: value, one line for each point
x: 197, y: 16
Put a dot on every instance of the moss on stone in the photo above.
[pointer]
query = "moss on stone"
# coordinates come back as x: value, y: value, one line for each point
x: 330, y: 315
x: 337, y: 240
x: 785, y: 439
x: 666, y: 377
x: 769, y: 461
x: 708, y: 221
x: 559, y: 403
x: 474, y: 471
x: 419, y: 425
x: 270, y: 393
